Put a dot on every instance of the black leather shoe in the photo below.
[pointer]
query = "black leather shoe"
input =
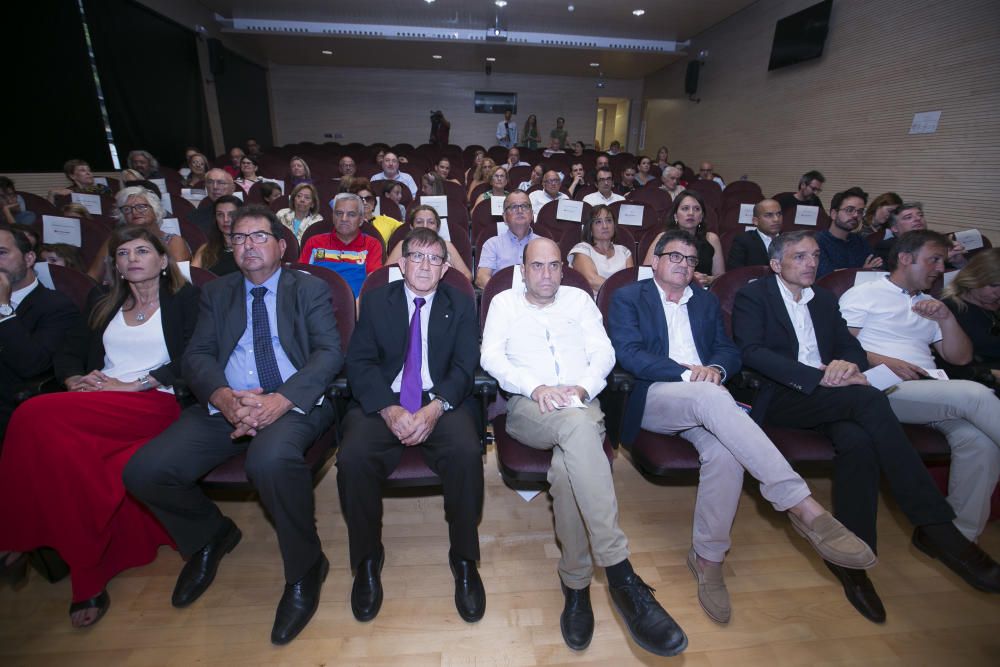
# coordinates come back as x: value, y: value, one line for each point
x: 860, y: 592
x: 649, y: 624
x: 962, y: 557
x: 199, y: 572
x: 577, y: 619
x: 299, y: 603
x: 470, y: 596
x: 366, y: 594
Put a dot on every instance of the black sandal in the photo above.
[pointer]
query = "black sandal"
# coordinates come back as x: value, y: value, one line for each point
x: 100, y: 602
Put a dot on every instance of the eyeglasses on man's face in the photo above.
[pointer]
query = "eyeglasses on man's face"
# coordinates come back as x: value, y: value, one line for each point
x: 259, y: 238
x: 418, y: 257
x: 518, y: 208
x: 677, y: 258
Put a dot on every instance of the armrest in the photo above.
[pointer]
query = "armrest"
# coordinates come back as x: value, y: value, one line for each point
x: 620, y: 380
x: 41, y: 384
x: 340, y: 387
x: 484, y: 384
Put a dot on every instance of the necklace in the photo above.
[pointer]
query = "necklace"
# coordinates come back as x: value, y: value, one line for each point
x: 141, y: 317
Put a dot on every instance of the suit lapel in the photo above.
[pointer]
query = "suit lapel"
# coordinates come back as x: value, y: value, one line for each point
x: 823, y: 328
x: 286, y: 317
x: 235, y: 314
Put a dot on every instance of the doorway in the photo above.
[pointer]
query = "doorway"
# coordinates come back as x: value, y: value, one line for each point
x: 612, y: 122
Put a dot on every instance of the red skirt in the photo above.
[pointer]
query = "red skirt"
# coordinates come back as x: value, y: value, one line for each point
x: 61, y: 481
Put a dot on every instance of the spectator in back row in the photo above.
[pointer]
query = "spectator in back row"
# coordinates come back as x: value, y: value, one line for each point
x: 197, y: 168
x: 498, y: 187
x: 597, y: 257
x: 390, y: 172
x: 269, y: 192
x: 839, y: 246
x: 577, y: 178
x: 427, y: 216
x: 514, y: 159
x: 551, y: 182
x: 628, y: 182
x: 605, y: 190
x: 81, y: 180
x: 810, y: 185
x: 688, y: 214
x: 218, y: 183
x: 879, y: 210
x: 670, y: 181
x: 443, y: 169
x: 535, y: 179
x: 507, y: 248
x: 706, y: 172
x: 303, y: 210
x: 235, y: 156
x: 908, y: 217
x: 253, y: 149
x: 298, y: 171
x: 217, y: 254
x: 346, y: 249
x: 62, y: 254
x: 751, y: 248
x: 14, y: 211
x: 144, y: 163
x: 249, y: 173
x: 644, y: 169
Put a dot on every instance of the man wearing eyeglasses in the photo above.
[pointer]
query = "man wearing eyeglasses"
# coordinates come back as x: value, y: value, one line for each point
x: 706, y: 172
x: 551, y: 182
x: 750, y: 249
x: 810, y: 185
x: 672, y: 338
x: 346, y: 249
x: 410, y: 366
x: 839, y: 246
x: 605, y: 190
x: 218, y: 183
x: 262, y: 357
x: 547, y: 347
x: 507, y: 247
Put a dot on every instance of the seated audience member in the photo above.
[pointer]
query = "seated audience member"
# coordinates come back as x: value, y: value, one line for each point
x: 605, y: 195
x: 197, y: 169
x: 432, y: 184
x: 217, y: 254
x: 600, y: 162
x: 810, y: 185
x: 33, y: 320
x: 554, y: 148
x: 615, y: 148
x: 62, y: 254
x: 897, y: 325
x: 973, y: 296
x: 662, y: 158
x: 498, y: 186
x: 119, y: 374
x: 908, y: 217
x: 791, y: 332
x: 688, y: 214
x: 347, y: 167
x: 74, y: 210
x: 382, y: 148
x: 577, y: 178
x: 249, y: 173
x: 131, y: 176
x: 443, y: 169
x: 144, y: 163
x: 672, y: 339
x: 507, y: 249
x: 627, y: 183
x: 298, y: 171
x: 184, y: 169
x: 480, y: 174
x: 477, y: 161
x: 670, y: 180
x: 706, y: 172
x: 750, y: 248
x: 345, y: 250
x: 427, y: 216
x: 253, y: 149
x: 407, y: 398
x: 81, y: 180
x: 551, y: 182
x: 235, y: 157
x: 260, y: 378
x: 644, y: 170
x: 577, y: 149
x: 304, y: 209
x: 390, y: 172
x: 839, y: 246
x: 14, y: 211
x: 877, y: 215
x: 547, y: 347
x: 269, y: 192
x: 535, y: 179
x: 384, y: 224
x: 138, y: 207
x: 597, y: 257
x: 218, y: 183
x: 514, y: 159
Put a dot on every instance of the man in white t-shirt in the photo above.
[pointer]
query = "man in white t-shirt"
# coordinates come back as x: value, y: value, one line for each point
x: 897, y: 325
x: 551, y: 182
x: 604, y: 194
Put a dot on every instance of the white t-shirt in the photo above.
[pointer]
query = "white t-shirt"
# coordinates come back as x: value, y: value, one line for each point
x: 606, y: 266
x: 131, y: 352
x: 680, y: 337
x: 884, y: 313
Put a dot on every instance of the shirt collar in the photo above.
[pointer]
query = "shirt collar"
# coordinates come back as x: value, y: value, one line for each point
x: 17, y: 296
x: 685, y: 297
x: 271, y: 283
x: 764, y: 237
x: 410, y: 295
x: 786, y: 294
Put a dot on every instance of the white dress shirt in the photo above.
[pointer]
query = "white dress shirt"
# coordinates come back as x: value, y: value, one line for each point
x: 540, y: 198
x: 798, y: 312
x: 595, y: 198
x: 767, y: 241
x: 17, y: 296
x: 680, y: 338
x: 563, y: 343
x: 425, y: 316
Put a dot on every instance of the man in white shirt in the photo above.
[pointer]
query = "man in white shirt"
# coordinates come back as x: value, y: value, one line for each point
x: 672, y: 339
x: 706, y: 172
x: 750, y: 249
x: 507, y: 131
x: 547, y: 347
x: 514, y: 159
x: 897, y: 325
x: 604, y: 194
x: 390, y: 172
x: 551, y: 181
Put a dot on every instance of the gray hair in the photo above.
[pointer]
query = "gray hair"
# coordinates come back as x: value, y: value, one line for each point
x: 154, y: 165
x: 348, y: 196
x: 899, y: 210
x: 777, y: 249
x: 138, y: 191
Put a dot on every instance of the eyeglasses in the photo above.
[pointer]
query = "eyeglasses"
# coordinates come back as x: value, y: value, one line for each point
x: 552, y: 180
x: 851, y: 210
x: 677, y: 258
x: 369, y: 198
x: 417, y: 257
x: 518, y: 208
x: 258, y: 238
x: 135, y: 208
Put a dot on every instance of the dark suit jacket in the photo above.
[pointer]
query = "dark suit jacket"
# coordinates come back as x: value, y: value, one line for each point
x: 307, y: 331
x: 639, y: 335
x: 747, y: 250
x: 769, y: 345
x: 30, y: 340
x: 179, y: 313
x: 378, y: 346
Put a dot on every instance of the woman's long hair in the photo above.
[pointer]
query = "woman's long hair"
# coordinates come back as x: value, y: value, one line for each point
x: 216, y: 244
x: 982, y: 270
x: 701, y: 230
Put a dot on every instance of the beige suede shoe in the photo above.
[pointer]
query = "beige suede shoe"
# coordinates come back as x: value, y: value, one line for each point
x: 712, y: 593
x: 834, y: 542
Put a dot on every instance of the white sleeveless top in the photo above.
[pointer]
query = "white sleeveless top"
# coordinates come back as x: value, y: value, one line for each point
x: 131, y: 352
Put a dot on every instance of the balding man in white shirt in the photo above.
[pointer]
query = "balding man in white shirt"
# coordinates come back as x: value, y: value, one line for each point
x: 551, y: 182
x: 605, y: 193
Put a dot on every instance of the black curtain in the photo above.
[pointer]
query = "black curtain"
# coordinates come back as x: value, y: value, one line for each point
x: 51, y: 113
x: 241, y: 88
x: 151, y: 80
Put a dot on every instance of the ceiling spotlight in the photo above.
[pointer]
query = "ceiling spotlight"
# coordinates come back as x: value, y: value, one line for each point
x: 327, y: 53
x: 570, y: 8
x: 437, y: 57
x: 500, y: 3
x: 595, y: 64
x: 428, y: 1
x: 491, y: 59
x: 638, y: 12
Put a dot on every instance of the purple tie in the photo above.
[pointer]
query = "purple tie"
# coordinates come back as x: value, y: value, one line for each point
x: 412, y: 386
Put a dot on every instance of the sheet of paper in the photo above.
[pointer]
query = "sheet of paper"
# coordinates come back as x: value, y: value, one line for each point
x: 395, y: 274
x: 948, y: 277
x: 925, y: 122
x: 438, y: 202
x: 569, y: 210
x: 168, y: 203
x: 517, y: 280
x: 645, y: 273
x: 936, y: 373
x: 44, y: 275
x: 444, y: 232
x: 806, y: 215
x: 160, y: 183
x: 100, y: 180
x: 185, y: 269
x: 574, y: 403
x: 862, y: 277
x: 631, y: 215
x: 90, y: 202
x: 972, y: 239
x: 496, y: 206
x: 527, y: 495
x: 881, y: 377
x: 501, y: 228
x: 56, y: 229
x: 746, y: 214
x: 171, y: 226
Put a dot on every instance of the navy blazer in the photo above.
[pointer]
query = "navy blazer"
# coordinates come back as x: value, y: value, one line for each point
x: 770, y: 346
x: 747, y: 250
x: 638, y: 331
x: 378, y: 346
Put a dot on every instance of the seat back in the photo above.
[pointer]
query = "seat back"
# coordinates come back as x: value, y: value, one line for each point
x: 651, y: 194
x: 710, y: 192
x: 341, y: 297
x: 201, y: 277
x: 650, y: 217
x: 74, y: 284
x: 548, y: 220
x: 729, y: 283
x: 841, y: 280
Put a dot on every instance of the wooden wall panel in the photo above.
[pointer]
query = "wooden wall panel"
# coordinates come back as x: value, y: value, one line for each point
x: 848, y: 113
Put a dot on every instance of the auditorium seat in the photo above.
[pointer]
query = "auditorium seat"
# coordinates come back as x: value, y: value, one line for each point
x: 548, y: 220
x: 74, y: 284
x: 650, y: 218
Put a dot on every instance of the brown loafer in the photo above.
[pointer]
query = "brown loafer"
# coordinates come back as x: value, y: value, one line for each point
x: 834, y: 543
x: 712, y: 593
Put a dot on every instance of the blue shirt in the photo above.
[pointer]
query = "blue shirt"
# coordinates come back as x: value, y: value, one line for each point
x: 836, y: 254
x: 504, y: 250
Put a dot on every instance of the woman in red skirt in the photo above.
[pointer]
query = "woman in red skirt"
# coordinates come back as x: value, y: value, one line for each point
x: 63, y: 455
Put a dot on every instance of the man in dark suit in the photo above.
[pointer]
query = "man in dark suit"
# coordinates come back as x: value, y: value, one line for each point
x: 793, y: 334
x: 261, y: 359
x: 672, y: 339
x: 34, y: 320
x: 750, y: 249
x: 410, y: 366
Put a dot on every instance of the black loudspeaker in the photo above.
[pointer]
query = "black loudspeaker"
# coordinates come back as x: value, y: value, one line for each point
x: 691, y: 77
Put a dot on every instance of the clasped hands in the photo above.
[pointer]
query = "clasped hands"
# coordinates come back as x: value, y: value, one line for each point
x: 98, y: 381
x: 251, y: 410
x: 840, y: 373
x: 412, y: 428
x: 550, y: 398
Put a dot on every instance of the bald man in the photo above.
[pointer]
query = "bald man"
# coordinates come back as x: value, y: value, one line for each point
x: 218, y: 183
x: 750, y: 249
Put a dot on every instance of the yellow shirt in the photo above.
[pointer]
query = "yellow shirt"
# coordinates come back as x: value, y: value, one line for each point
x: 386, y: 226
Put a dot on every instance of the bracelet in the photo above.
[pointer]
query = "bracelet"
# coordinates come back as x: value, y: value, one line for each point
x: 144, y: 383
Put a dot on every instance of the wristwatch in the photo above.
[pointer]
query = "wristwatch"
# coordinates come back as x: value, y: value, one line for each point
x: 445, y: 405
x: 6, y: 310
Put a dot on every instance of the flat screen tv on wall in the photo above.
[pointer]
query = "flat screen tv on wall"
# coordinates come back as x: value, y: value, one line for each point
x: 800, y: 36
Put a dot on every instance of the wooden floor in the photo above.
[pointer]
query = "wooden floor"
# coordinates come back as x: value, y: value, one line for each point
x: 787, y: 608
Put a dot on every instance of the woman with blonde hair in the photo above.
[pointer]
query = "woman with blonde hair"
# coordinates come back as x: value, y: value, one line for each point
x: 974, y: 297
x: 481, y: 175
x: 498, y: 186
x: 877, y: 213
x: 302, y: 211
